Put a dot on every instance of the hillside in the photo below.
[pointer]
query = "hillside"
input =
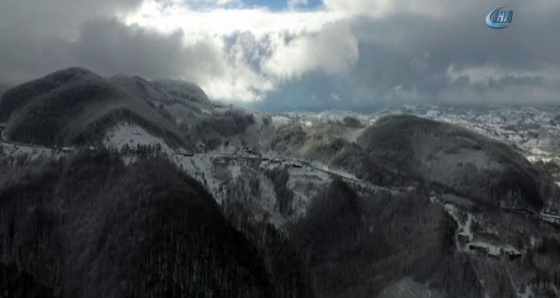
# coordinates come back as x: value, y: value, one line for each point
x: 89, y: 226
x: 67, y: 225
x: 75, y: 107
x: 357, y: 245
x: 464, y: 161
x: 281, y: 205
x: 413, y: 152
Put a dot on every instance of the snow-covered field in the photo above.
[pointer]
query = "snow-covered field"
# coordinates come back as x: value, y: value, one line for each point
x: 201, y: 168
x: 132, y: 135
x: 32, y: 153
x: 280, y: 120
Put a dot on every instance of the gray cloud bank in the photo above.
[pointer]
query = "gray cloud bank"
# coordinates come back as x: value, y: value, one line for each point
x: 436, y: 51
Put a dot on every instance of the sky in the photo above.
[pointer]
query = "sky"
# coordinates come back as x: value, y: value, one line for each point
x: 296, y: 54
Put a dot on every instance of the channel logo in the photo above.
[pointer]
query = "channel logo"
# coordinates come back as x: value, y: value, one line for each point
x: 499, y: 18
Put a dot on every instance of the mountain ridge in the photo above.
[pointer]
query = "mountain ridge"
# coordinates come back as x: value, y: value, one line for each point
x: 74, y: 107
x: 263, y: 205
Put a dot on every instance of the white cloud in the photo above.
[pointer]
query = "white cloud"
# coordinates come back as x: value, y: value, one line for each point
x: 367, y: 7
x: 367, y: 49
x: 293, y: 4
x: 383, y: 8
x: 212, y: 3
x: 166, y: 16
x: 331, y: 51
x: 488, y: 73
x: 259, y: 49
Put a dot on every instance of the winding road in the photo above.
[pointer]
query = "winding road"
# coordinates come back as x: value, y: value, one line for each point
x: 3, y: 140
x: 352, y: 180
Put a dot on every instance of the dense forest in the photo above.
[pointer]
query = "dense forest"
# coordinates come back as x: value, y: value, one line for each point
x: 357, y: 246
x: 75, y: 106
x: 89, y: 226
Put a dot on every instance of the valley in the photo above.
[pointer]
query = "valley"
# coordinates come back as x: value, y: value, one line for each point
x: 437, y: 201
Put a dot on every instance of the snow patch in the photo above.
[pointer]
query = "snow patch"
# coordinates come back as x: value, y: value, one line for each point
x: 32, y: 153
x: 537, y: 151
x: 201, y: 168
x: 527, y: 293
x: 280, y: 120
x: 132, y: 135
x: 235, y: 171
x: 536, y: 158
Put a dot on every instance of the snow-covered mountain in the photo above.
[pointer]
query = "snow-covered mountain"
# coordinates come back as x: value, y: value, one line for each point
x: 448, y: 203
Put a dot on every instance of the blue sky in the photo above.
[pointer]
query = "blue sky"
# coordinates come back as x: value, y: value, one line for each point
x: 281, y: 4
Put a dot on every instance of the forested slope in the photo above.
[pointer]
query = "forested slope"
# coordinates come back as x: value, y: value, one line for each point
x: 459, y: 159
x: 90, y: 226
x: 357, y: 246
x: 75, y: 107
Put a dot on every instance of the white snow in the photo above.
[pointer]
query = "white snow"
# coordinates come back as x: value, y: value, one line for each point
x: 527, y: 293
x: 133, y: 135
x: 537, y: 151
x: 298, y: 182
x: 454, y: 212
x: 201, y: 168
x: 280, y: 120
x: 432, y: 113
x: 466, y: 228
x: 235, y: 171
x: 535, y: 158
x: 33, y: 153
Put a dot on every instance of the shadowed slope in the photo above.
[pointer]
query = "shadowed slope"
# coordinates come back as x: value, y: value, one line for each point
x: 469, y: 163
x: 92, y: 227
x: 75, y: 107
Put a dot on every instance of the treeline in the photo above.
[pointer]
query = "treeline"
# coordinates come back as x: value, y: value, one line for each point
x: 287, y: 137
x: 141, y: 149
x: 285, y: 265
x: 352, y: 122
x: 212, y: 130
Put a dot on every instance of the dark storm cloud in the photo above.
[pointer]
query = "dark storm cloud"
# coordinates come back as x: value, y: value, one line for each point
x: 409, y: 57
x: 33, y: 33
x: 39, y: 38
x: 450, y: 57
x: 110, y: 47
x: 434, y: 50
